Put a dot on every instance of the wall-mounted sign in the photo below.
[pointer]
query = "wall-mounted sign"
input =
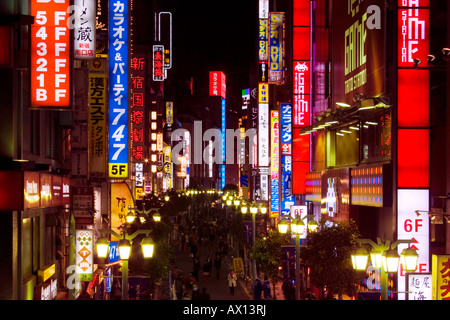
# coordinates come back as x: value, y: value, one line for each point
x: 84, y: 257
x: 118, y: 89
x: 217, y: 84
x: 158, y: 63
x: 276, y: 47
x: 441, y: 277
x: 84, y: 29
x: 50, y: 55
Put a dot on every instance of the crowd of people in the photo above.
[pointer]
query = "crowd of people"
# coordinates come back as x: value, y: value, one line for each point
x: 203, y: 235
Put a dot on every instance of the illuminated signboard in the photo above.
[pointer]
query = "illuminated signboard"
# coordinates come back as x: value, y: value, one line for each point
x: 50, y: 55
x: 274, y: 163
x: 158, y: 63
x: 137, y: 83
x: 276, y: 47
x: 286, y: 197
x: 263, y: 135
x: 412, y: 227
x: 97, y: 121
x: 245, y: 98
x: 84, y: 30
x: 113, y: 252
x: 263, y: 9
x: 441, y: 277
x: 217, y: 84
x: 367, y: 186
x: 263, y: 93
x: 118, y: 89
x: 222, y: 168
x: 413, y: 136
x: 300, y: 212
x: 301, y: 112
x: 263, y: 39
x: 359, y: 49
x: 84, y: 257
x: 169, y: 113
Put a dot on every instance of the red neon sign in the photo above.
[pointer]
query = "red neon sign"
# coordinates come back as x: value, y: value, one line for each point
x: 217, y: 84
x: 50, y: 54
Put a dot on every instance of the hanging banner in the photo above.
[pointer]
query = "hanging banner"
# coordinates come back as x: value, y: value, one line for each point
x: 276, y: 47
x: 97, y: 123
x: 118, y: 89
x: 84, y: 257
x: 84, y: 30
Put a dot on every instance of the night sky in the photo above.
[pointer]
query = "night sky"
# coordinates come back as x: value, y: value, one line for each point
x: 214, y: 36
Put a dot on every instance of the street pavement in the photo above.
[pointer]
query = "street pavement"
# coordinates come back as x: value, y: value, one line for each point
x: 216, y: 288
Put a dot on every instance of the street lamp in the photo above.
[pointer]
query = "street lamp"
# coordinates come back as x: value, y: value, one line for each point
x: 298, y: 228
x: 385, y: 257
x: 125, y: 250
x: 253, y: 210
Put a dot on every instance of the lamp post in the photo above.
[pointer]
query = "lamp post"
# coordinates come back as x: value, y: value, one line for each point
x: 125, y: 249
x: 298, y: 228
x: 385, y: 257
x: 253, y: 210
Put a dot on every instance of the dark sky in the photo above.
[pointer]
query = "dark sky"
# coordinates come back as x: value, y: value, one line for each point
x: 214, y: 36
x: 207, y: 36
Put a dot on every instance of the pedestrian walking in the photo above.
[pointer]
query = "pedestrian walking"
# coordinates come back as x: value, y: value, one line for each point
x: 196, y: 267
x: 217, y: 264
x: 266, y: 289
x: 204, y: 295
x: 257, y: 289
x: 232, y: 281
x: 206, y: 269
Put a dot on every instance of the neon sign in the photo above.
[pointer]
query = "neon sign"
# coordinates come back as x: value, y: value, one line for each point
x: 50, y: 55
x: 118, y: 89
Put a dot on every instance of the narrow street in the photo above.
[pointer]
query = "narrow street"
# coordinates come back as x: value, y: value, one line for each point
x: 216, y: 288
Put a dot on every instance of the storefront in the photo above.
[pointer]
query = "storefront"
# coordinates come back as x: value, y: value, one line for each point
x: 36, y: 205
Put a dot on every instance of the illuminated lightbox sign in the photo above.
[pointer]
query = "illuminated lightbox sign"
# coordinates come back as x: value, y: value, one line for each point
x: 263, y: 135
x: 50, y: 55
x: 263, y: 37
x: 276, y: 47
x: 413, y: 227
x: 367, y: 186
x: 84, y: 257
x: 158, y: 63
x: 118, y: 89
x: 274, y: 163
x: 413, y: 30
x: 137, y: 100
x: 84, y: 31
x: 301, y: 112
x: 217, y: 84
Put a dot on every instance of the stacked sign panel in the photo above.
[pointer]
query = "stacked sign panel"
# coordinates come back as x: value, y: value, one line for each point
x: 286, y: 195
x: 301, y: 94
x: 50, y: 55
x: 137, y: 104
x: 118, y: 89
x: 217, y: 88
x: 413, y: 130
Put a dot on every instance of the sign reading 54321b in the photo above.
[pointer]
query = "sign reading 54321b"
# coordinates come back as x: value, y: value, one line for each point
x: 50, y: 54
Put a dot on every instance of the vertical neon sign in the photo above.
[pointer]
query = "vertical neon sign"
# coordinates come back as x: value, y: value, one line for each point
x: 118, y: 89
x: 413, y: 131
x: 301, y: 93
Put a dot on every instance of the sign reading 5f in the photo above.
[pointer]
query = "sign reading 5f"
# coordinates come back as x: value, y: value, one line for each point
x: 118, y: 89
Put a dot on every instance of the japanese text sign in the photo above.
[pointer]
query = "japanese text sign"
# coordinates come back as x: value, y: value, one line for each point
x: 118, y: 89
